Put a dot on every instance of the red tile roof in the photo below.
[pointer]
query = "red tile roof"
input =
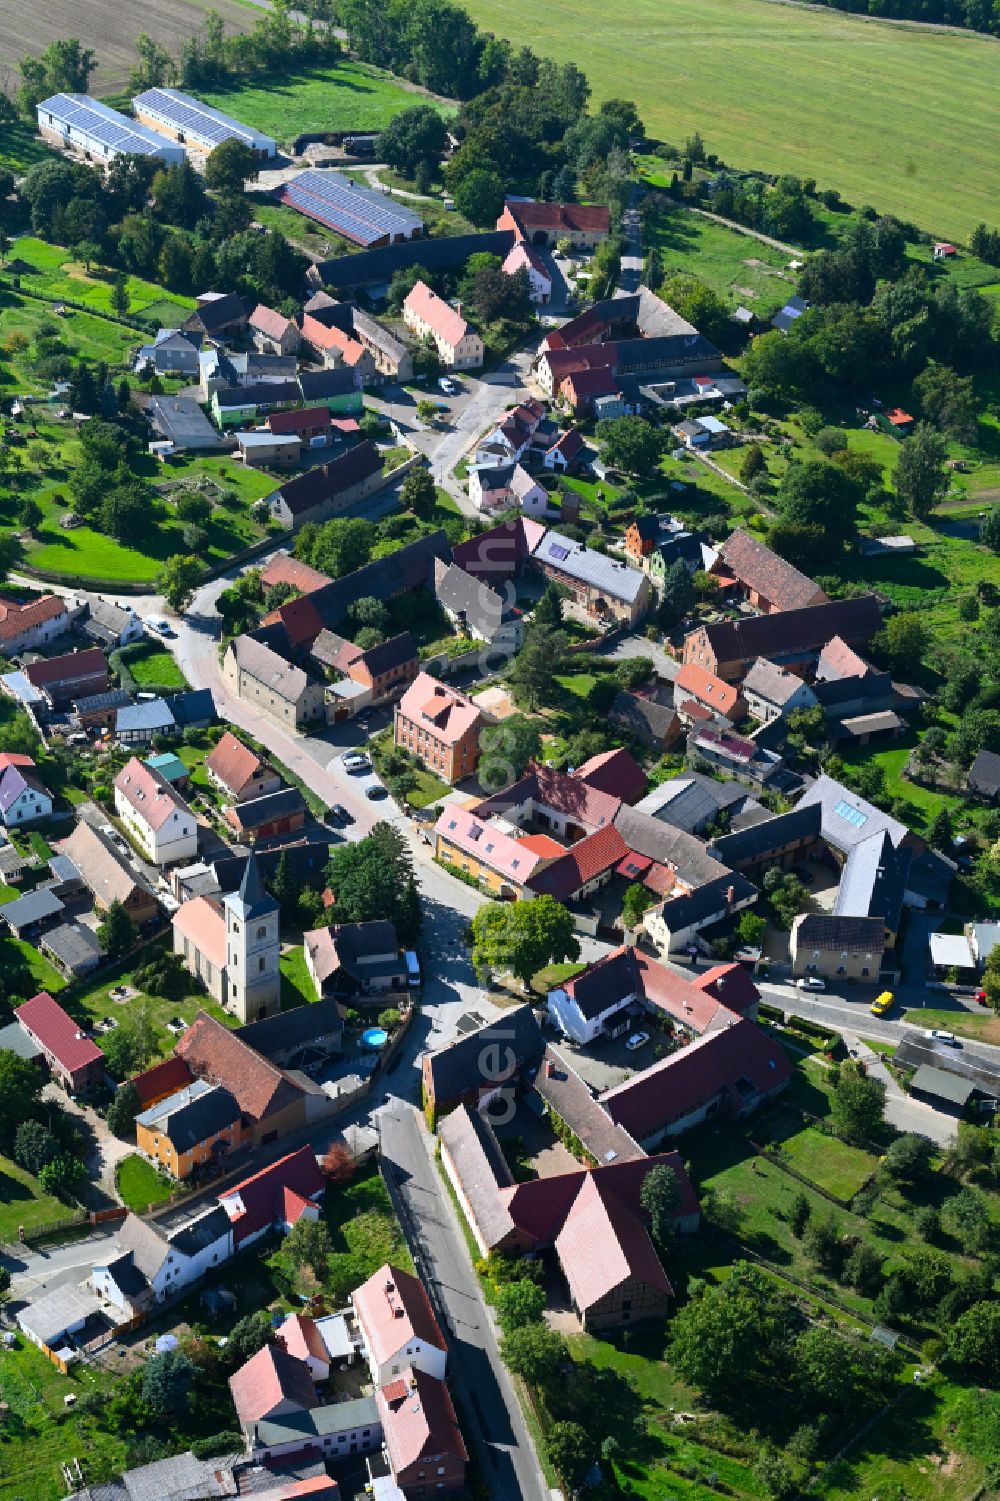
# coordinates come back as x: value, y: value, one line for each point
x: 439, y: 315
x: 300, y: 618
x: 233, y: 763
x: 67, y: 668
x: 270, y: 1377
x: 615, y: 772
x: 731, y: 984
x: 588, y: 218
x: 213, y: 1052
x: 756, y: 567
x: 15, y: 618
x: 269, y: 321
x: 58, y: 1033
x: 262, y: 1196
x: 393, y: 1308
x: 584, y: 862
x: 202, y: 923
x: 715, y: 1064
x: 283, y: 569
x: 707, y: 689
x: 162, y: 1079
x: 14, y: 758
x: 421, y: 1424
x: 448, y: 712
x: 602, y: 1244
x: 145, y: 790
x: 322, y: 337
x: 569, y: 443
x: 299, y: 1336
x: 539, y: 1206
x: 298, y: 420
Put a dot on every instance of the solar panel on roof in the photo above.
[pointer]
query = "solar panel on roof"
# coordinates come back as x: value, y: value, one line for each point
x: 101, y: 123
x: 559, y: 553
x: 852, y: 815
x: 358, y: 213
x: 189, y: 114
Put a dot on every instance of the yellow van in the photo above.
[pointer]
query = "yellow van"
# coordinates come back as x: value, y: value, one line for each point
x: 881, y: 1003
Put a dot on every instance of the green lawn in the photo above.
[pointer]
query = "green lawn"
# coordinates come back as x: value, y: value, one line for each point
x: 740, y: 269
x: 23, y: 1201
x: 980, y: 1025
x: 826, y: 1161
x: 428, y: 789
x: 41, y: 1433
x: 553, y: 975
x: 44, y: 974
x: 297, y: 988
x: 80, y: 334
x: 140, y: 1185
x: 345, y: 96
x: 879, y: 111
x: 51, y: 270
x: 95, y: 1003
x: 154, y: 667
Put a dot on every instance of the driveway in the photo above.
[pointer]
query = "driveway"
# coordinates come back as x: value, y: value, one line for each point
x: 901, y: 1110
x: 491, y: 1414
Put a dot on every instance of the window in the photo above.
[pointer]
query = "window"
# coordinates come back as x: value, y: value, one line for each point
x: 262, y: 931
x: 261, y: 965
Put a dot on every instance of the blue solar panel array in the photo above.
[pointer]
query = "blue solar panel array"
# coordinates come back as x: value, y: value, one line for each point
x: 358, y: 214
x: 102, y: 124
x: 197, y: 120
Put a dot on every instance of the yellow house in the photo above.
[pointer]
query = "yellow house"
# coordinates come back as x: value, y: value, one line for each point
x: 195, y: 1126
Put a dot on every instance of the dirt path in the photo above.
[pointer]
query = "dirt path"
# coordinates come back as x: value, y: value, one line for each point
x: 753, y: 234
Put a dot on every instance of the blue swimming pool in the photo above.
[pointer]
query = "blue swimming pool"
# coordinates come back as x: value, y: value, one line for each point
x: 374, y: 1037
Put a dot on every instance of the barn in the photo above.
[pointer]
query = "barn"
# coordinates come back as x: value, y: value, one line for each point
x: 79, y: 123
x: 185, y: 119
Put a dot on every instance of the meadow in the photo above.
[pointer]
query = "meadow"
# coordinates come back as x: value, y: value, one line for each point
x: 344, y: 96
x: 879, y: 111
x: 51, y: 271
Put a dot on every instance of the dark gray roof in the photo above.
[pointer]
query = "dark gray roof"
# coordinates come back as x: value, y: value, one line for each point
x: 642, y: 717
x: 127, y: 1275
x: 181, y: 420
x: 471, y: 599
x: 873, y: 880
x: 256, y: 901
x: 666, y: 845
x: 217, y: 312
x: 482, y: 1171
x: 395, y: 652
x: 74, y: 946
x: 335, y: 382
x: 335, y: 1417
x: 410, y: 567
x: 984, y: 773
x: 316, y: 486
x: 457, y: 1068
x: 305, y: 861
x: 192, y: 707
x: 291, y: 1029
x: 706, y: 901
x: 107, y: 621
x: 263, y: 392
x: 260, y: 810
x: 768, y: 836
x: 115, y: 698
x: 202, y: 1232
x: 789, y: 633
x: 945, y: 1086
x: 201, y: 1114
x: 14, y: 1039
x: 35, y: 907
x: 151, y: 714
x: 369, y: 267
x: 931, y: 875
x: 817, y: 930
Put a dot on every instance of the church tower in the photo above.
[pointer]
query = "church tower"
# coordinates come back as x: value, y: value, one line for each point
x: 253, y: 946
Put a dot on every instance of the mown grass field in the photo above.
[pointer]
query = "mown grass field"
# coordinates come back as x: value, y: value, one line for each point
x: 879, y: 111
x: 297, y: 988
x: 345, y: 96
x: 51, y: 270
x: 740, y: 269
x: 154, y: 667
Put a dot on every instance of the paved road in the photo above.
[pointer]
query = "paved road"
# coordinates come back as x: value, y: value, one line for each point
x: 491, y: 1409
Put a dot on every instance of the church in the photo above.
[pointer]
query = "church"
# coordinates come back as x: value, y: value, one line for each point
x: 232, y: 944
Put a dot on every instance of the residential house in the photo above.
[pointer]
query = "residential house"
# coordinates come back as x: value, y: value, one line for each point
x: 355, y: 960
x: 174, y: 351
x: 112, y: 626
x: 429, y: 316
x: 771, y: 691
x: 536, y: 223
x: 310, y: 425
x: 844, y: 948
x: 490, y: 485
x: 675, y: 925
x: 440, y: 726
x: 299, y: 1337
x: 233, y: 945
x: 608, y: 996
x: 984, y: 776
x: 421, y: 1438
x: 500, y: 553
x: 392, y: 359
x: 607, y: 591
x: 525, y: 258
x: 566, y: 452
x: 634, y: 363
x: 265, y: 817
x: 339, y: 390
x: 611, y: 1266
x: 194, y: 709
x: 397, y: 1326
x: 197, y: 1126
x: 156, y: 817
x: 264, y: 449
x: 238, y: 771
x: 513, y: 435
x: 527, y: 494
x: 767, y: 581
x: 721, y: 701
x: 730, y: 1071
x: 273, y: 1103
x: 329, y: 489
x: 278, y: 1196
x: 655, y: 724
x: 676, y: 545
x: 72, y: 948
x: 138, y: 724
x: 704, y: 433
x: 234, y: 406
x: 333, y: 348
x: 482, y: 1064
x: 272, y: 1384
x: 217, y: 315
x: 477, y: 610
x: 98, y: 711
x: 24, y: 798
x: 75, y: 675
x: 73, y: 1060
x: 581, y: 388
x: 31, y: 625
x: 790, y: 638
x: 272, y: 685
x: 109, y: 875
x: 502, y: 863
x: 336, y: 1430
x: 737, y: 755
x: 369, y: 677
x: 149, y: 1263
x: 272, y: 332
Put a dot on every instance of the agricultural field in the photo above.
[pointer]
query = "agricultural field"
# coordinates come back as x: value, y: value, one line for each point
x: 344, y: 96
x: 52, y: 271
x: 99, y: 25
x: 792, y: 89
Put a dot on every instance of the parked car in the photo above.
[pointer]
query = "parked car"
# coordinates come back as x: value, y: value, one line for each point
x: 448, y: 386
x: 354, y: 762
x: 341, y: 814
x: 936, y: 1035
x: 375, y: 791
x: 810, y: 982
x: 880, y: 1005
x: 636, y: 1041
x: 161, y: 627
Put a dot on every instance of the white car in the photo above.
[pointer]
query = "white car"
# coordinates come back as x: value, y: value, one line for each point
x: 161, y: 627
x: 810, y: 982
x: 636, y: 1041
x: 449, y: 387
x: 355, y: 762
x: 936, y: 1035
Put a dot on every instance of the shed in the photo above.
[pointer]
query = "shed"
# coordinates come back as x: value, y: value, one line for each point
x: 951, y: 951
x: 941, y: 1089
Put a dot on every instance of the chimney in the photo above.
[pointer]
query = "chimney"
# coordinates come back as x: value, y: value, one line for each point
x: 730, y: 894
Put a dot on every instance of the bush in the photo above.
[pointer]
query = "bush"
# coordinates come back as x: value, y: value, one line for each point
x: 217, y: 1443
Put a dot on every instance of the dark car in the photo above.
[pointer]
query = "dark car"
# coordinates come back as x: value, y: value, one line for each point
x: 341, y: 814
x: 375, y: 791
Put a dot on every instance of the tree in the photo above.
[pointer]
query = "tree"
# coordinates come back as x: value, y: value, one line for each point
x: 752, y: 463
x: 857, y: 1107
x: 308, y: 1245
x: 660, y: 1196
x: 177, y: 581
x: 679, y: 595
x: 195, y: 508
x: 20, y: 1087
x: 229, y: 166
x: 29, y: 514
x: 338, y: 1164
x: 10, y: 556
x: 694, y: 300
x: 129, y: 1047
x: 120, y: 297
x: 372, y: 879
x: 479, y: 196
x: 418, y: 493
x: 909, y: 1157
x: 505, y: 750
x: 823, y: 1368
x: 337, y: 547
x: 247, y: 1337
x: 965, y: 1214
x: 518, y: 1305
x: 973, y: 1341
x: 630, y: 443
x: 167, y: 1380
x: 536, y: 1353
x: 34, y: 1147
x: 798, y: 1215
x: 903, y: 642
x: 116, y: 932
x: 863, y: 1269
x: 549, y: 609
x: 817, y: 494
x: 520, y: 938
x: 774, y: 1473
x: 721, y: 1339
x: 532, y: 674
x: 824, y: 1244
x: 989, y: 530
x: 572, y: 1451
x: 920, y: 477
x: 413, y: 137
x: 62, y: 1175
x: 123, y: 1109
x: 948, y: 400
x: 634, y: 903
x: 751, y: 929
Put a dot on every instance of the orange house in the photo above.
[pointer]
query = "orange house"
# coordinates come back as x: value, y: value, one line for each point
x: 196, y: 1126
